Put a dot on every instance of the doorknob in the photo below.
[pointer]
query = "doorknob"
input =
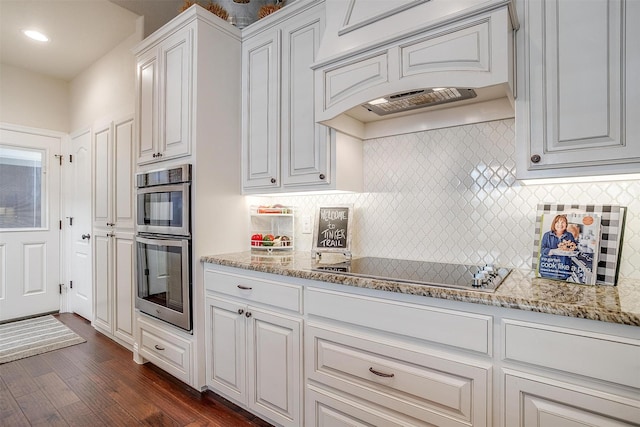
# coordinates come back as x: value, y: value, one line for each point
x: 86, y: 236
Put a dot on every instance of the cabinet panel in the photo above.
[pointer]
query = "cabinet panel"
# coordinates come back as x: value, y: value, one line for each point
x: 147, y: 106
x: 530, y: 343
x: 123, y: 173
x: 165, y: 349
x: 102, y: 174
x: 274, y: 365
x: 347, y: 80
x: 124, y: 267
x: 305, y: 144
x: 226, y: 348
x: 102, y: 281
x: 261, y: 118
x: 576, y: 89
x: 535, y: 401
x: 279, y: 295
x: 176, y: 94
x: 408, y: 379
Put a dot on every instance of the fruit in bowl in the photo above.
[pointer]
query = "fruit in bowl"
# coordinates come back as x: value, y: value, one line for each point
x: 256, y: 239
x: 267, y: 240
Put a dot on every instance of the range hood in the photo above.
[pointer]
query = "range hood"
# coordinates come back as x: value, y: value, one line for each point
x: 452, y: 63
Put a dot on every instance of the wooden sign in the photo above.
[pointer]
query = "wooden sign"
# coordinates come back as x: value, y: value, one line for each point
x: 332, y: 232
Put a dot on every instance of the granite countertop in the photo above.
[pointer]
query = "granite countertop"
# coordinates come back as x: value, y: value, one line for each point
x: 521, y: 290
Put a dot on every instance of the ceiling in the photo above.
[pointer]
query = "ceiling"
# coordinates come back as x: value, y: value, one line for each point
x: 80, y: 31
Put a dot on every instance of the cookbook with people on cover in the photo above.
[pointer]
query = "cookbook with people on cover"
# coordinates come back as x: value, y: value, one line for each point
x: 568, y: 246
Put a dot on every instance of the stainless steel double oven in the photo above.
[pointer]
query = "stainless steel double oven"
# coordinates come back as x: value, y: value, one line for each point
x: 163, y: 245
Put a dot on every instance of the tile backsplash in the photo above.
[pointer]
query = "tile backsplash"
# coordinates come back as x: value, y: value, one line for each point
x: 450, y: 195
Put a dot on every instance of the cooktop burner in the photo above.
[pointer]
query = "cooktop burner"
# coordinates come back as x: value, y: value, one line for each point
x: 470, y: 277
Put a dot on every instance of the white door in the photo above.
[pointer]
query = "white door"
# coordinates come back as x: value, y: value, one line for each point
x: 78, y: 224
x: 29, y: 222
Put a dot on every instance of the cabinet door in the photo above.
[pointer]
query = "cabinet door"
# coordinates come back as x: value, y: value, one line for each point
x: 123, y: 209
x: 226, y: 348
x: 147, y: 70
x: 176, y: 81
x: 274, y: 366
x: 305, y: 144
x: 261, y: 111
x: 579, y: 96
x: 538, y: 402
x: 102, y: 149
x: 124, y: 280
x: 101, y: 280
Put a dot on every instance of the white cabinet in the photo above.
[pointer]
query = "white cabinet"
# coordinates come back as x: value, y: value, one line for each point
x: 578, y: 95
x: 114, y: 279
x: 557, y: 376
x: 164, y: 93
x: 113, y: 219
x: 113, y: 175
x: 283, y: 148
x: 254, y: 353
x: 392, y: 380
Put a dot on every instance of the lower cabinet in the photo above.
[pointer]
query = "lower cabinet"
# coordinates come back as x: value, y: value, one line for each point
x: 536, y: 401
x: 164, y: 346
x: 254, y: 354
x: 114, y: 278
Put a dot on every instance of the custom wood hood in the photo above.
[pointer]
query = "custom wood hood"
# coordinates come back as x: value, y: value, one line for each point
x: 414, y: 52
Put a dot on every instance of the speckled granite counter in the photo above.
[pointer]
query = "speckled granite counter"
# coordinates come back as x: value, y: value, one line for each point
x: 616, y: 304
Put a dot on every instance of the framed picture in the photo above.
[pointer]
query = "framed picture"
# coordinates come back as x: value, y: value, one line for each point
x: 332, y: 232
x: 607, y: 246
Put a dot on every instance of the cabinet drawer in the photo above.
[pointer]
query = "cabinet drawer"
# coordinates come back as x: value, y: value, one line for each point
x: 463, y: 330
x: 406, y: 378
x: 599, y: 356
x: 165, y: 349
x: 281, y: 295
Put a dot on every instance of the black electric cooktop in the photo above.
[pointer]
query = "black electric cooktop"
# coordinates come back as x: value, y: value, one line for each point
x: 470, y: 277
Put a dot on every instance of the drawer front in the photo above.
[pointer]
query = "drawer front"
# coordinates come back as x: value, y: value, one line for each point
x: 326, y: 408
x: 599, y: 356
x: 454, y: 328
x: 433, y: 387
x: 166, y: 350
x: 281, y: 295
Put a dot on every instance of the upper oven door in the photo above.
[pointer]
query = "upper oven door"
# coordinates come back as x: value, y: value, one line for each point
x: 164, y: 209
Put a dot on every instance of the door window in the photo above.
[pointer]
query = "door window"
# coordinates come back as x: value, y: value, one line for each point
x: 22, y: 189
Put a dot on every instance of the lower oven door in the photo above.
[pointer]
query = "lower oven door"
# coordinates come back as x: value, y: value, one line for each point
x: 164, y: 279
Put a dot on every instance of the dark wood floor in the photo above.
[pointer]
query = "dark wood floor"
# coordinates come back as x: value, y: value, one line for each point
x: 98, y: 384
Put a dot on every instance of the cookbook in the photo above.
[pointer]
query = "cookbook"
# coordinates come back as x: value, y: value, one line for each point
x: 569, y: 244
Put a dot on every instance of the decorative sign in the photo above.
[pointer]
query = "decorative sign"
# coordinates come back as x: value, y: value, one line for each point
x: 333, y: 232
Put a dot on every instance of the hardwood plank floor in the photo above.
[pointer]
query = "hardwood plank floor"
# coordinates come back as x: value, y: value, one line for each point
x: 97, y: 383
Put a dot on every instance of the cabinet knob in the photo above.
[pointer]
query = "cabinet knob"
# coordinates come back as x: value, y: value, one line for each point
x: 321, y: 176
x: 159, y: 154
x: 86, y: 236
x: 155, y: 155
x: 536, y: 158
x: 273, y: 180
x: 248, y: 314
x: 240, y: 311
x: 111, y: 224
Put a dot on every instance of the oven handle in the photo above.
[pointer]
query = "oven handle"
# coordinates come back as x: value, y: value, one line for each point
x: 162, y: 240
x: 165, y: 188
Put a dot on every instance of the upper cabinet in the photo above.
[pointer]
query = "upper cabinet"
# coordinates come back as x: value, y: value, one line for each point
x: 283, y: 148
x: 578, y: 93
x: 164, y: 93
x: 113, y: 181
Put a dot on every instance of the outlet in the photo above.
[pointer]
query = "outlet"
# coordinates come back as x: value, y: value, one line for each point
x: 306, y: 224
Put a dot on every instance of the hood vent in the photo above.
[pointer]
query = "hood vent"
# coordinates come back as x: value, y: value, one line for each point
x: 415, y: 99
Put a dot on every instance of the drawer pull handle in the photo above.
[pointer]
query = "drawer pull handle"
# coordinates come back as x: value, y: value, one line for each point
x: 158, y: 347
x: 246, y: 288
x: 380, y: 374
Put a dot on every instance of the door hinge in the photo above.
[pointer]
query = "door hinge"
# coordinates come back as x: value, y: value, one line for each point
x: 70, y: 284
x: 70, y: 158
x: 60, y: 224
x: 60, y: 288
x: 59, y: 156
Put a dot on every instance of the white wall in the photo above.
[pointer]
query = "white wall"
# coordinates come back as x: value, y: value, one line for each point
x: 33, y: 100
x: 105, y: 90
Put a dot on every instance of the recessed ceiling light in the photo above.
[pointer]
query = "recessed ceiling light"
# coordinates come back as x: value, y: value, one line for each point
x: 35, y: 35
